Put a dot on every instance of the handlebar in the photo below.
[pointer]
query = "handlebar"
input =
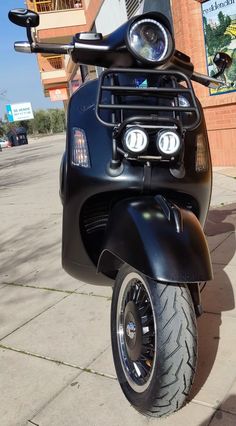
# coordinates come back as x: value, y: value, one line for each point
x: 63, y: 49
x: 60, y: 49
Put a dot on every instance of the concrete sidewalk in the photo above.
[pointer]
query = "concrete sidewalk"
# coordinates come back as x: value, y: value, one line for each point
x: 56, y: 364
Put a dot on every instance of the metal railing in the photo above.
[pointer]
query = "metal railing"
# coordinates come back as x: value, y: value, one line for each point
x: 56, y: 62
x: 41, y: 6
x: 51, y: 63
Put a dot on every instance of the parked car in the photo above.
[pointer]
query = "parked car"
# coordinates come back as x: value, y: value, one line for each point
x: 4, y: 143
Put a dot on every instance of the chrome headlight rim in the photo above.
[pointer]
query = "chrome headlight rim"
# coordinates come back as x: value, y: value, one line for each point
x: 169, y: 48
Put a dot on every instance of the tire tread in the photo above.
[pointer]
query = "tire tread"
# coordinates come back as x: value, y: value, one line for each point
x: 176, y: 350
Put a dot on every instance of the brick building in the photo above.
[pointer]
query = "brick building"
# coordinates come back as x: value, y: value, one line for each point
x: 220, y: 110
x: 61, y: 19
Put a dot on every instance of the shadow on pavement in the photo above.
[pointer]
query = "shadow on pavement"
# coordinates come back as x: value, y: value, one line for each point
x: 218, y: 298
x: 11, y: 170
x: 27, y: 252
x: 224, y: 414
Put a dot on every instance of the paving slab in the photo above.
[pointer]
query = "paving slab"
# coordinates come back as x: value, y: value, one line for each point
x: 216, y: 362
x: 221, y: 225
x: 226, y: 171
x: 219, y: 295
x: 104, y: 363
x: 76, y: 331
x: 223, y: 419
x: 221, y: 220
x: 2, y: 286
x: 229, y: 403
x: 225, y: 254
x: 19, y: 304
x: 31, y: 215
x: 31, y: 255
x: 27, y: 384
x: 227, y: 183
x: 222, y: 198
x: 216, y: 371
x: 98, y: 401
x: 215, y: 240
x: 96, y: 290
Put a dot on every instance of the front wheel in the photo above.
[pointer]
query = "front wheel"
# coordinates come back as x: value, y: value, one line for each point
x: 154, y: 342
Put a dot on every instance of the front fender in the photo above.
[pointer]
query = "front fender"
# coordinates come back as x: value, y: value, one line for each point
x: 159, y: 239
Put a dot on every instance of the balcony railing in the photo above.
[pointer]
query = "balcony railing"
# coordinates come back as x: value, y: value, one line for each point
x: 41, y: 6
x: 52, y: 63
x: 56, y: 62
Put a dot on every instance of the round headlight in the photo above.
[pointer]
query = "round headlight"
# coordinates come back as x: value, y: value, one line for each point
x: 135, y: 140
x: 149, y: 40
x: 168, y: 142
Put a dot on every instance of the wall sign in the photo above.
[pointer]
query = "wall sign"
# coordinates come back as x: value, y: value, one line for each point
x: 19, y: 112
x: 58, y: 94
x: 219, y: 23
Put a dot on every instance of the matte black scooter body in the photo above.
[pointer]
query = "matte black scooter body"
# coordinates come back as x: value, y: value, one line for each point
x: 90, y: 196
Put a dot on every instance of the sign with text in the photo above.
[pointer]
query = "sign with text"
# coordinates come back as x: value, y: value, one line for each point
x: 19, y: 112
x: 219, y: 22
x: 59, y: 94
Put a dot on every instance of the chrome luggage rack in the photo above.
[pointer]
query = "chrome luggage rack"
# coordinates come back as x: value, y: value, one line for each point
x: 116, y: 103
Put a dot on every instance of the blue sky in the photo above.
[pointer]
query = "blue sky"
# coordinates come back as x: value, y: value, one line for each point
x: 19, y: 73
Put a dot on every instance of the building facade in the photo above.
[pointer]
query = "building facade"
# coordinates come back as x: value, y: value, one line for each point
x: 195, y: 24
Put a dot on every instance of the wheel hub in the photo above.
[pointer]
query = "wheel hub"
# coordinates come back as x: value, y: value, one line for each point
x: 133, y: 331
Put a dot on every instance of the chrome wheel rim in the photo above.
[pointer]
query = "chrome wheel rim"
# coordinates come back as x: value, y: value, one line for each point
x: 136, y: 332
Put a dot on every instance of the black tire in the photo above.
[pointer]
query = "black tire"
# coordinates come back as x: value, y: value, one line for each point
x: 155, y: 366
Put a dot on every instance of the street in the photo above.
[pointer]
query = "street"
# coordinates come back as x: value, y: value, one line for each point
x: 56, y: 365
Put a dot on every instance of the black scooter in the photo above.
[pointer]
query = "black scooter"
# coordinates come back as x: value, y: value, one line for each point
x: 135, y: 184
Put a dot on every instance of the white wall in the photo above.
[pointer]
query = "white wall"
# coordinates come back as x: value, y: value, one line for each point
x: 62, y: 18
x: 111, y: 15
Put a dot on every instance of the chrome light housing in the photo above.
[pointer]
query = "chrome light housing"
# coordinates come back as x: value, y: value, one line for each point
x: 150, y: 41
x: 168, y: 143
x: 135, y: 140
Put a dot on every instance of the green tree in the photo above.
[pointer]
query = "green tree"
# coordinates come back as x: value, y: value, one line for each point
x: 42, y: 122
x: 231, y: 72
x: 215, y: 36
x: 8, y: 126
x: 2, y: 132
x: 57, y: 117
x: 45, y: 121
